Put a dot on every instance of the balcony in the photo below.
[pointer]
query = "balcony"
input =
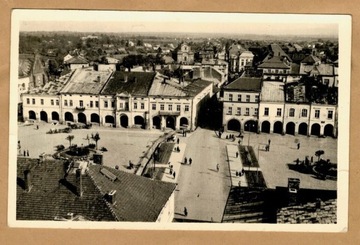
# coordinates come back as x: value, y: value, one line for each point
x: 80, y: 108
x: 169, y: 113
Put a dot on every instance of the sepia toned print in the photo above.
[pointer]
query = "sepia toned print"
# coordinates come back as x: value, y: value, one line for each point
x: 179, y: 120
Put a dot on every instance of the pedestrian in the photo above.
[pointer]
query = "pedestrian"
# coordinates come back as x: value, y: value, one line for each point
x: 190, y: 160
x: 239, y: 142
x: 174, y: 174
x: 27, y: 153
x: 24, y: 153
x: 217, y: 167
x: 297, y: 161
x: 237, y: 154
x: 242, y: 171
x: 269, y: 141
x: 298, y: 145
x: 312, y: 159
x: 268, y: 147
x: 171, y: 171
x: 185, y: 160
x: 185, y: 211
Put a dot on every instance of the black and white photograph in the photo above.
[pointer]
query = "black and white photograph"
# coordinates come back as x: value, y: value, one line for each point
x: 179, y: 120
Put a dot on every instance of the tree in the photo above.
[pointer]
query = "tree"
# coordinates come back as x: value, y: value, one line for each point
x: 96, y: 138
x: 70, y: 138
x: 319, y: 153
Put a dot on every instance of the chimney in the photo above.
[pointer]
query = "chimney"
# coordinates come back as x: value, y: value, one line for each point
x: 112, y: 197
x: 79, y: 178
x: 27, y: 179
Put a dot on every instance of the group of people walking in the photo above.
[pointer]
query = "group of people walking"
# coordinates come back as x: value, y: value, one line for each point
x: 186, y: 160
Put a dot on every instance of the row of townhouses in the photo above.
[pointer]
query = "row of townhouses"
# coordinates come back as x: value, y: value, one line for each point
x: 118, y: 99
x: 287, y: 98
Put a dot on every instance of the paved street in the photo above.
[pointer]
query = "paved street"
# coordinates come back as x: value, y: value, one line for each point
x: 201, y: 189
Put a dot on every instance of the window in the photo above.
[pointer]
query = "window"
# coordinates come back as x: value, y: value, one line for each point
x: 91, y: 104
x: 121, y: 105
x: 65, y: 103
x: 52, y: 102
x: 326, y: 81
x: 256, y: 98
x: 57, y: 102
x: 266, y: 111
x: 106, y: 104
x: 142, y: 106
x: 170, y: 107
x: 256, y: 111
x: 112, y: 104
x: 330, y: 115
x: 186, y: 107
x: 230, y: 97
x: 97, y: 104
x: 229, y: 110
x: 304, y: 112
x: 81, y: 103
x: 42, y: 101
x: 291, y: 112
x: 178, y: 107
x: 247, y: 98
x: 27, y: 101
x: 238, y: 111
x: 135, y: 105
x: 239, y: 97
x: 162, y: 107
x: 33, y: 101
x: 278, y: 112
x: 276, y: 71
x: 247, y: 111
x: 317, y: 113
x: 153, y: 107
x: 71, y: 103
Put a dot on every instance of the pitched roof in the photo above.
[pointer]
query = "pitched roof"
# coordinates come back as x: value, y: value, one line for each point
x: 77, y: 60
x: 317, y: 69
x: 275, y: 62
x: 137, y: 198
x: 52, y: 197
x: 310, y: 59
x: 163, y: 87
x: 245, y: 84
x: 134, y: 83
x: 25, y: 67
x: 86, y: 81
x: 195, y: 87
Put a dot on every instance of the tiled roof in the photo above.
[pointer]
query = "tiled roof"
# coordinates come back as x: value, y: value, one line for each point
x: 321, y: 69
x: 272, y: 92
x: 86, y: 81
x: 137, y: 198
x: 167, y: 88
x: 245, y: 84
x: 275, y: 62
x: 50, y: 197
x: 134, y: 83
x: 310, y: 59
x: 321, y: 213
x: 277, y: 51
x: 247, y: 54
x: 77, y: 60
x: 195, y: 87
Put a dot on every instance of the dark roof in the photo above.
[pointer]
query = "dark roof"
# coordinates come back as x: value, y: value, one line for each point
x: 134, y: 83
x: 245, y: 84
x: 310, y: 59
x: 137, y: 198
x: 196, y: 87
x: 50, y: 198
x: 275, y: 62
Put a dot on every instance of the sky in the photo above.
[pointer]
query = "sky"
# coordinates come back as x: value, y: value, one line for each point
x: 145, y: 21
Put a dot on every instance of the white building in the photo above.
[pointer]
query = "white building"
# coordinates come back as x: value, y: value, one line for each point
x: 241, y: 104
